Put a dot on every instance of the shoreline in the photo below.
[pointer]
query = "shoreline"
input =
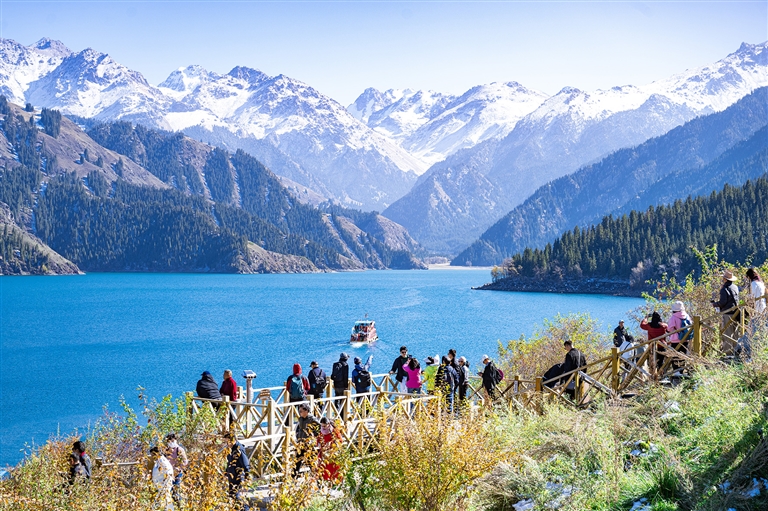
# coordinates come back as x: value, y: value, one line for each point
x: 593, y: 286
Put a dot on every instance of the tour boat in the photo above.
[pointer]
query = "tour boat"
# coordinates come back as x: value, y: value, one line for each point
x: 364, y: 331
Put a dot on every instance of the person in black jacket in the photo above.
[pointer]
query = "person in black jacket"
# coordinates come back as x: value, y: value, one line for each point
x: 307, y: 428
x: 398, y: 371
x: 340, y: 375
x: 207, y: 388
x: 574, y: 359
x: 620, y: 335
x: 490, y: 378
x: 238, y: 466
x: 317, y: 380
x: 729, y: 299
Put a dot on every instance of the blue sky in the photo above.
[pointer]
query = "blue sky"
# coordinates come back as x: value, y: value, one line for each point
x: 342, y: 47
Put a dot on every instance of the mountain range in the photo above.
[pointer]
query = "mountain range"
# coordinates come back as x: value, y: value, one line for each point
x: 460, y: 197
x: 444, y: 166
x: 123, y: 197
x: 693, y: 159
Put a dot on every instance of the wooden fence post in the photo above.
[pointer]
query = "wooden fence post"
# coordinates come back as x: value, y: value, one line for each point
x: 190, y: 408
x: 347, y: 405
x: 226, y: 413
x: 271, y: 423
x: 538, y: 386
x: 697, y: 336
x: 615, y: 369
x: 287, y: 449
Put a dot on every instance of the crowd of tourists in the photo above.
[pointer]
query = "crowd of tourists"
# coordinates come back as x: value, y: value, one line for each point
x: 448, y: 375
x: 679, y: 323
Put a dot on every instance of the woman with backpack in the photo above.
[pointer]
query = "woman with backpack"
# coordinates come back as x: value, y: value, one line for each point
x: 679, y: 319
x: 297, y: 385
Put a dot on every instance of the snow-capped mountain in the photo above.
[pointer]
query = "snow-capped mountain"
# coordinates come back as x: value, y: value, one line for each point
x: 568, y: 130
x: 92, y: 84
x: 21, y: 65
x: 432, y: 126
x: 297, y: 131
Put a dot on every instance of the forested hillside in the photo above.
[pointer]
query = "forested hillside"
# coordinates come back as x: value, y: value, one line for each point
x: 642, y: 245
x: 130, y: 198
x: 695, y: 158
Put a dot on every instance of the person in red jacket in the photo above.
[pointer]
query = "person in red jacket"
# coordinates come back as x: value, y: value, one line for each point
x: 229, y: 386
x: 297, y: 386
x: 656, y: 328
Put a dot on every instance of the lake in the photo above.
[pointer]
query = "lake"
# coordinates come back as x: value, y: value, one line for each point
x: 69, y: 345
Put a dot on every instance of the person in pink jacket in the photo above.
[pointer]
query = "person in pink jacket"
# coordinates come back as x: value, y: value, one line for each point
x: 413, y: 371
x: 680, y: 319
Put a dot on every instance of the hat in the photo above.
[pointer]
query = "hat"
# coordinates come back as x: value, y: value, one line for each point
x: 429, y: 360
x: 728, y: 275
x: 296, y: 368
x: 358, y: 360
x: 486, y: 357
x: 343, y: 356
x: 678, y: 306
x: 313, y: 364
x: 206, y: 373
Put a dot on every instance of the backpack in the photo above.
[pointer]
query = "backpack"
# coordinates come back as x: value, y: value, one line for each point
x: 498, y: 376
x: 320, y: 381
x: 297, y: 388
x: 685, y: 335
x: 363, y: 379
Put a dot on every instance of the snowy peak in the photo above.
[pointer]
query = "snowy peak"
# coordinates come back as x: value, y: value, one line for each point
x: 21, y: 65
x: 51, y: 48
x: 187, y: 79
x: 248, y: 75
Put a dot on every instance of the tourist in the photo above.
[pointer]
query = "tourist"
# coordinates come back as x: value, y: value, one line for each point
x: 656, y: 330
x: 328, y: 441
x: 229, y: 386
x: 413, y: 379
x: 449, y: 382
x: 463, y: 380
x: 306, y: 428
x: 79, y: 449
x: 756, y: 290
x: 491, y: 378
x: 679, y: 319
x: 177, y: 455
x: 76, y: 469
x: 238, y: 467
x: 397, y: 369
x: 620, y: 335
x: 297, y: 385
x: 317, y: 380
x: 574, y: 359
x: 207, y: 388
x: 453, y: 360
x: 162, y: 477
x: 361, y: 377
x: 727, y: 304
x: 340, y: 375
x: 430, y: 372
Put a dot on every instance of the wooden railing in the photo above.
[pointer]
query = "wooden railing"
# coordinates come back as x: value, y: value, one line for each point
x: 266, y: 426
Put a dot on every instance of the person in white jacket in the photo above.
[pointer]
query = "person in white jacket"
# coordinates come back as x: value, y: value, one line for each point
x: 162, y: 477
x: 756, y: 290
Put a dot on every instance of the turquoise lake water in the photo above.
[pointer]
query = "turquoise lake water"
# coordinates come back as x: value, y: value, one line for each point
x: 70, y: 345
